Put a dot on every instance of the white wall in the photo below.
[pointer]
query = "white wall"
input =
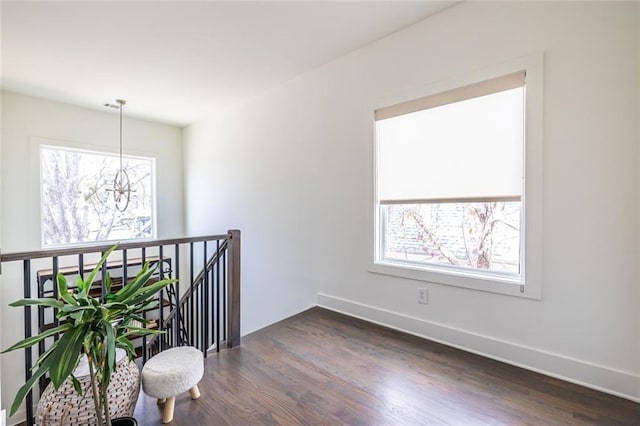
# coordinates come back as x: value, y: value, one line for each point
x: 293, y: 170
x: 242, y: 180
x: 24, y: 118
x: 2, y: 303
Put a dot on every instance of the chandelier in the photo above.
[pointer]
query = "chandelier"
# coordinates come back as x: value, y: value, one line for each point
x: 121, y: 184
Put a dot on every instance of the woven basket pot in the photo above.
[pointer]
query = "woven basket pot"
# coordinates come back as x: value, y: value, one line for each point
x: 66, y: 407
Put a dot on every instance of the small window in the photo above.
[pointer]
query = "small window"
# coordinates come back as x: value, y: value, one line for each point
x: 450, y: 180
x: 77, y: 200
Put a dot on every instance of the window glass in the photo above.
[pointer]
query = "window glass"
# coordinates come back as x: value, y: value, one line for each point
x: 77, y: 198
x: 484, y: 236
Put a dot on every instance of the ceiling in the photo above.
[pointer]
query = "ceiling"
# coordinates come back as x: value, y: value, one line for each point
x: 175, y: 62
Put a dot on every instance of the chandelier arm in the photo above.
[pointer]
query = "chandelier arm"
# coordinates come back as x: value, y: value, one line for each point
x: 121, y: 137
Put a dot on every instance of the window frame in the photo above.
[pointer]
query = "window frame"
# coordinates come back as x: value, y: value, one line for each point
x: 40, y: 144
x: 529, y: 284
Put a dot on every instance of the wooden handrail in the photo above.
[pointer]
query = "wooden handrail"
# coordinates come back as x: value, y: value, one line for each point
x: 84, y: 249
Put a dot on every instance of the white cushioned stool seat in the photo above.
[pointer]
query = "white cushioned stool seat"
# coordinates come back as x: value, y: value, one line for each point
x: 170, y: 373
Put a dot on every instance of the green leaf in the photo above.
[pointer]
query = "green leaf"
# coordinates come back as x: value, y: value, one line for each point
x: 76, y: 385
x: 124, y: 343
x: 76, y: 317
x: 81, y: 295
x: 65, y: 357
x: 113, y: 306
x: 30, y: 341
x: 75, y: 308
x: 131, y: 317
x: 149, y: 304
x: 63, y: 290
x: 110, y: 342
x: 145, y: 293
x: 92, y: 275
x: 139, y: 281
x: 139, y: 332
x: 80, y: 284
x: 47, y: 301
x: 44, y: 356
x: 107, y: 284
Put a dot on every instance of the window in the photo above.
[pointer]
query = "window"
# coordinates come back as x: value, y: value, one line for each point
x: 450, y: 185
x: 77, y: 206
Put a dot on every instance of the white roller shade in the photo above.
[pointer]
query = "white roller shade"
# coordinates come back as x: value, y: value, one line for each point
x: 469, y: 149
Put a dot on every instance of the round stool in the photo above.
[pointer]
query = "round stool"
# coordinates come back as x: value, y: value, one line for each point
x: 170, y: 373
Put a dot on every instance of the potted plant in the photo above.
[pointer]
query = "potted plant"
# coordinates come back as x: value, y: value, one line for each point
x: 91, y: 326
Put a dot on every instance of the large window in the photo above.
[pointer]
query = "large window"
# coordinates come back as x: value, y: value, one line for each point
x: 76, y: 201
x: 450, y: 183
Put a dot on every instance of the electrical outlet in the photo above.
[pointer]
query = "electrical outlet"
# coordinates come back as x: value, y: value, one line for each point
x: 423, y: 296
x: 3, y: 418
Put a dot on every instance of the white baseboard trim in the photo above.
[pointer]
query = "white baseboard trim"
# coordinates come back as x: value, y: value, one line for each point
x: 615, y: 382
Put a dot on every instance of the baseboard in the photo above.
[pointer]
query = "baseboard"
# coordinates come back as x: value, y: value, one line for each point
x: 615, y: 382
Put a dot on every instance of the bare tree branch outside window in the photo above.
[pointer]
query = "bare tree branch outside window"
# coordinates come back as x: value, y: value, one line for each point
x: 483, y: 236
x: 76, y: 206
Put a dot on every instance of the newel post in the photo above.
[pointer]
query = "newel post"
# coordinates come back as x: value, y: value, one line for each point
x: 234, y: 289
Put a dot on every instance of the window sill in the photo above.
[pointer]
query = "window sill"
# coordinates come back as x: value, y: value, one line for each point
x: 492, y: 284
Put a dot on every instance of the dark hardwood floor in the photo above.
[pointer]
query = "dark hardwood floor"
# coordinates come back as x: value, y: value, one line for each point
x: 320, y: 367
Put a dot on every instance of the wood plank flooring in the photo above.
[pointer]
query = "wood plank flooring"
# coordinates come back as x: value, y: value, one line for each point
x: 324, y: 368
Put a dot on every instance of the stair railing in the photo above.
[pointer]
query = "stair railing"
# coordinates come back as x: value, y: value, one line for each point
x: 200, y: 319
x: 201, y: 309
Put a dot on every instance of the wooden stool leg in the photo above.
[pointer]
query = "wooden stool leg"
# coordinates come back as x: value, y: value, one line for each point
x: 195, y: 392
x: 161, y: 401
x: 167, y: 415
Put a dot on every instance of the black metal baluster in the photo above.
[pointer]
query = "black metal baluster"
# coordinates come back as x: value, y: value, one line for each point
x: 224, y: 293
x: 210, y: 306
x: 205, y: 310
x: 28, y: 361
x: 161, y: 301
x: 176, y: 318
x: 81, y: 265
x: 196, y: 313
x: 191, y: 295
x: 41, y: 283
x: 217, y: 280
x: 145, y: 351
x: 125, y: 268
x: 103, y: 276
x: 54, y: 262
